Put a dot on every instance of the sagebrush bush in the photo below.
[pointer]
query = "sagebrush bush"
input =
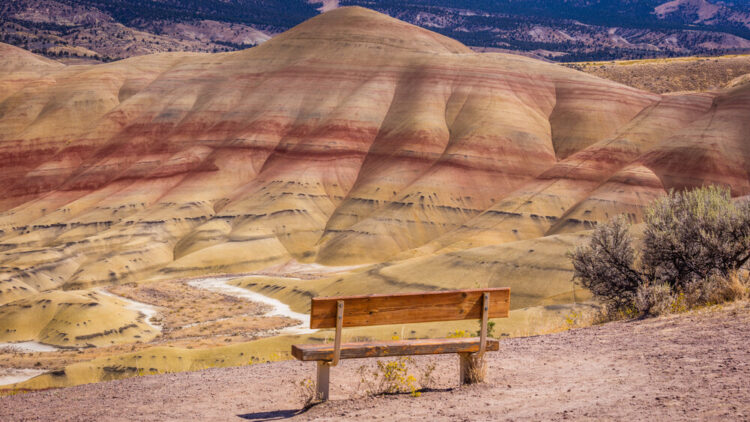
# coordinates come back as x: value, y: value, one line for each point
x: 695, y: 235
x: 694, y: 244
x: 606, y: 266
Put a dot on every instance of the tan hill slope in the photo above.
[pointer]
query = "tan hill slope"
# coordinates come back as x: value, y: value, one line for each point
x: 19, y: 67
x: 352, y: 139
x: 74, y: 319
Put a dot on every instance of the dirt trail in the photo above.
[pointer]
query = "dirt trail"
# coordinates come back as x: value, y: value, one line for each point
x: 686, y: 367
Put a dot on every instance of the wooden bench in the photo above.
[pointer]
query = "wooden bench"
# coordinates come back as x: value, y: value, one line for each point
x: 361, y: 311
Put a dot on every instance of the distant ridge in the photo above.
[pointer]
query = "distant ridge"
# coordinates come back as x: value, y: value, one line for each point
x: 75, y: 31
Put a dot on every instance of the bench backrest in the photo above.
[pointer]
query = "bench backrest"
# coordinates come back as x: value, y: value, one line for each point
x: 403, y: 308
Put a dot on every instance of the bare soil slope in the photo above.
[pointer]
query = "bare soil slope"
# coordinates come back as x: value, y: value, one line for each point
x: 685, y: 367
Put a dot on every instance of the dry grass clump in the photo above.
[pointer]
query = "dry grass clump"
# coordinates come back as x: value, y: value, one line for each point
x: 694, y: 246
x: 397, y: 376
x: 474, y: 368
x: 654, y: 299
x: 718, y: 289
x: 308, y: 390
x: 660, y: 299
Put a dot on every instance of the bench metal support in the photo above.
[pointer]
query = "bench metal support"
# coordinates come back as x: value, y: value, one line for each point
x: 472, y: 366
x: 339, y: 328
x: 485, y: 317
x: 324, y: 367
x: 324, y: 375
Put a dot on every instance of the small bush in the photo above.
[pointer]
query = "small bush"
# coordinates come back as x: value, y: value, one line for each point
x: 680, y: 303
x: 654, y: 299
x: 395, y: 377
x: 426, y: 377
x: 474, y: 368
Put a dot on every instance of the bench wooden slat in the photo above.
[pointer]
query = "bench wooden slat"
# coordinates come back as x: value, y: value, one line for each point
x: 308, y: 352
x: 360, y: 311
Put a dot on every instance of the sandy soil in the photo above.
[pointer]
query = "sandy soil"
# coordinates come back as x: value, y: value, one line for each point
x: 686, y: 367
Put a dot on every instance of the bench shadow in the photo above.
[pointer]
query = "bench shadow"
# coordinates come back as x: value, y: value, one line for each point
x: 276, y: 415
x: 437, y: 390
x: 273, y: 415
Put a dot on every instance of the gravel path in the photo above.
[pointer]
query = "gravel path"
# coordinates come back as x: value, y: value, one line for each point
x: 687, y: 367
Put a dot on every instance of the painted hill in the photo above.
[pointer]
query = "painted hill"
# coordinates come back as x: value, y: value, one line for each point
x: 353, y: 139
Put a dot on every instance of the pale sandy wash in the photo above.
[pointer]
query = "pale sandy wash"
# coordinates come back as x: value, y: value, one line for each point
x: 685, y: 367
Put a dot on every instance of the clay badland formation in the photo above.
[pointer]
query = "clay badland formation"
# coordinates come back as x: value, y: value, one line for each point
x: 354, y: 140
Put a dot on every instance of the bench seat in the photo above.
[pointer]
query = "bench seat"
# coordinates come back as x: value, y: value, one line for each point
x: 324, y: 352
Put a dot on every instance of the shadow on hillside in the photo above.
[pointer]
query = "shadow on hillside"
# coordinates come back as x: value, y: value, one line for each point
x: 273, y: 415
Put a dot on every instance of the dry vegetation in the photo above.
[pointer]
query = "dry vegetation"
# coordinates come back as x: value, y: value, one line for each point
x: 671, y: 75
x: 184, y: 305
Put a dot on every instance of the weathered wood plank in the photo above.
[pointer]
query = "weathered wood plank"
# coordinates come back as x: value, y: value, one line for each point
x: 409, y: 307
x: 308, y: 352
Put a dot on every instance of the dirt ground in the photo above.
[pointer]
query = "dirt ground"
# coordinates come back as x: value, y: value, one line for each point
x: 684, y: 367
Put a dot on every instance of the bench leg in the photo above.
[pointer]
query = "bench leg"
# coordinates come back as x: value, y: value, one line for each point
x: 472, y: 368
x: 324, y: 374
